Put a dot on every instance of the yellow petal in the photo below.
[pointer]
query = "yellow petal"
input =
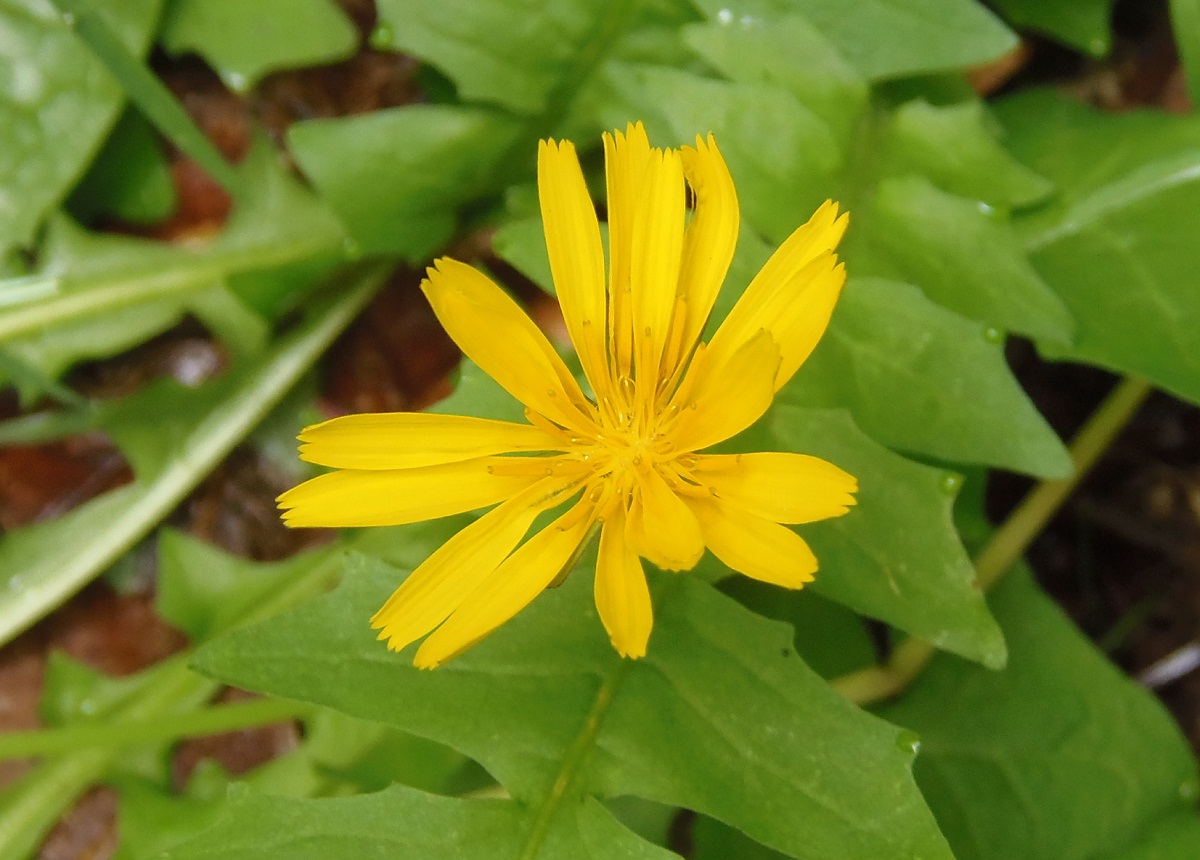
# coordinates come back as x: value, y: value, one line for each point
x: 404, y: 440
x: 792, y: 297
x: 756, y: 547
x: 440, y: 583
x: 786, y: 488
x: 622, y: 598
x: 498, y: 336
x: 510, y: 587
x: 722, y: 396
x: 708, y: 246
x: 661, y: 527
x: 626, y: 157
x: 657, y: 250
x: 576, y: 255
x: 390, y: 497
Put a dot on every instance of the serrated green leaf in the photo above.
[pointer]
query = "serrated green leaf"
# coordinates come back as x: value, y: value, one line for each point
x: 1117, y: 243
x: 245, y: 41
x: 1082, y: 24
x: 405, y: 824
x: 896, y: 556
x: 920, y: 378
x: 954, y: 147
x: 887, y: 38
x: 962, y: 253
x: 397, y: 177
x: 1058, y: 757
x: 57, y: 104
x: 516, y: 53
x: 576, y: 716
x: 130, y: 177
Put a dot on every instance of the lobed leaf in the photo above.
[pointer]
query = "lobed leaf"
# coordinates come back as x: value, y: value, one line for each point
x: 1059, y: 756
x: 896, y: 556
x: 1116, y: 244
x: 577, y: 720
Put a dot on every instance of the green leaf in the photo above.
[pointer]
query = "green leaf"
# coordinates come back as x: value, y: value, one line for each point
x: 1058, y: 757
x: 146, y: 90
x: 576, y: 719
x: 405, y: 824
x: 896, y: 556
x: 831, y: 639
x: 1174, y: 838
x: 245, y: 41
x: 956, y: 148
x: 1185, y: 17
x: 769, y: 138
x: 193, y: 430
x: 785, y: 159
x: 887, y: 38
x: 85, y: 275
x: 920, y: 378
x: 1082, y: 24
x: 130, y: 178
x: 712, y: 840
x: 1116, y: 244
x: 757, y: 51
x: 202, y: 590
x: 516, y: 53
x: 57, y: 105
x: 403, y: 199
x: 962, y: 253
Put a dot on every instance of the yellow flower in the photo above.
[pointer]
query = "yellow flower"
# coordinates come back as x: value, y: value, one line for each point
x: 627, y: 453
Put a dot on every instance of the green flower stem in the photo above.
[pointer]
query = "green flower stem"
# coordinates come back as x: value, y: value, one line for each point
x: 66, y: 303
x: 155, y: 729
x: 1009, y: 541
x: 29, y: 807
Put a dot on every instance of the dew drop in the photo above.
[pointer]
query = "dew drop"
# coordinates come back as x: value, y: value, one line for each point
x: 15, y: 582
x: 548, y: 471
x: 992, y: 334
x: 491, y: 470
x: 627, y: 387
x: 351, y: 250
x: 382, y: 37
x: 647, y: 331
x: 68, y: 18
x: 236, y: 81
x: 909, y: 742
x: 595, y: 493
x: 551, y: 392
x: 87, y: 707
x: 1188, y: 790
x: 725, y: 16
x: 950, y: 483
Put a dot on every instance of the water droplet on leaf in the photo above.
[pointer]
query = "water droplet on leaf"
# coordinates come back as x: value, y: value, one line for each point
x: 909, y: 742
x: 382, y: 37
x: 950, y: 483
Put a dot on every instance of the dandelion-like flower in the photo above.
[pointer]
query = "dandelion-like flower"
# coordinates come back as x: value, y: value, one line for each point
x: 626, y: 455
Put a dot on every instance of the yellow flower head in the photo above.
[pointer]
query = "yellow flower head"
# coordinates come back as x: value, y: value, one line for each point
x: 626, y: 455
